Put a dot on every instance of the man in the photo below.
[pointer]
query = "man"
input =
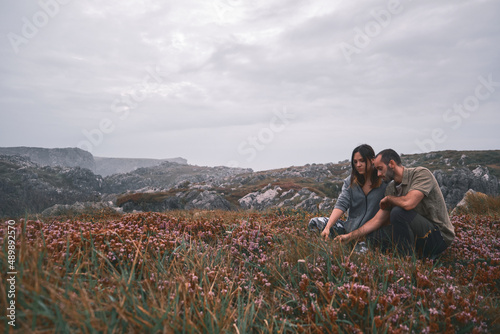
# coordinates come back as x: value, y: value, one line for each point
x: 413, y: 206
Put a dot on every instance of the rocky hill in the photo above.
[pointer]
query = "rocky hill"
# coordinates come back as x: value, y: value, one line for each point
x: 313, y: 188
x: 166, y: 176
x: 75, y: 157
x: 29, y: 187
x: 61, y: 157
x: 450, y: 160
x: 26, y: 187
x: 110, y: 166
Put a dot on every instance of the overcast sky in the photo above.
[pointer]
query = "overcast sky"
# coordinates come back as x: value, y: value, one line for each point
x: 261, y: 84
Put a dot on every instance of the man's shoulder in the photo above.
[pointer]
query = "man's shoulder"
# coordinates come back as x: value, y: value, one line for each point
x: 421, y: 178
x: 418, y: 171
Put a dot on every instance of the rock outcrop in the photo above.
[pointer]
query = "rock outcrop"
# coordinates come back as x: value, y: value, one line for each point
x: 463, y: 206
x: 26, y: 187
x: 454, y: 185
x: 110, y: 166
x: 270, y: 197
x: 53, y: 157
x: 168, y: 175
x: 75, y: 157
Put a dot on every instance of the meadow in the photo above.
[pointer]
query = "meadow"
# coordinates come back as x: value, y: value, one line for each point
x: 242, y: 272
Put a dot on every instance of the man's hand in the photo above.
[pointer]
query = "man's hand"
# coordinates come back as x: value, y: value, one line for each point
x: 386, y: 203
x: 325, y: 233
x: 343, y: 238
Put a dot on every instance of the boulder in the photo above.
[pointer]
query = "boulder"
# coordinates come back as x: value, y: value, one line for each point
x: 270, y: 197
x: 462, y: 206
x: 206, y: 200
x: 262, y: 199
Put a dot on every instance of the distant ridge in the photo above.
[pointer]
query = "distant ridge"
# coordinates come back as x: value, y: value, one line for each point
x: 61, y: 157
x: 76, y: 157
x: 110, y: 166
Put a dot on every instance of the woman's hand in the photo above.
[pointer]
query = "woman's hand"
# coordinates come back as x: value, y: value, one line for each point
x: 325, y: 233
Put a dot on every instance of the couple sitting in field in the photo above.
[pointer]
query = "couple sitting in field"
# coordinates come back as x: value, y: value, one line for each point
x: 393, y: 206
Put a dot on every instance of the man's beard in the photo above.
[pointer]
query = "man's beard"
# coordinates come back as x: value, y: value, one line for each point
x: 389, y: 175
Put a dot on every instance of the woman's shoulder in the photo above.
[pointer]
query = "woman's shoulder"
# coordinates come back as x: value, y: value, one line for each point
x: 348, y: 182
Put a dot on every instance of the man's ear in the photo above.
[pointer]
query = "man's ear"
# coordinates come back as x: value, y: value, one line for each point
x: 392, y: 164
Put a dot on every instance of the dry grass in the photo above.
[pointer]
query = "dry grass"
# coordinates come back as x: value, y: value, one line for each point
x: 480, y: 204
x: 243, y: 272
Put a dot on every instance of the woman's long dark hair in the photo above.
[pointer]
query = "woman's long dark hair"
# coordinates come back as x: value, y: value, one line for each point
x: 367, y: 153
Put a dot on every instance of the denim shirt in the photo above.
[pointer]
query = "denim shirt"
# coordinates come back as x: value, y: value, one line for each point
x: 360, y: 207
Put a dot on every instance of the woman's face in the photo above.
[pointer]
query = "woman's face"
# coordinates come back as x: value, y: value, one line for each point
x: 361, y: 164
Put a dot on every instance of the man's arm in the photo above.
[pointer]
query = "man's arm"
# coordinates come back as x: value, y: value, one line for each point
x: 379, y: 220
x: 407, y: 202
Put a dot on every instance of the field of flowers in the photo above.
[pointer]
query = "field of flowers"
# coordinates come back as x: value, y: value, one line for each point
x: 242, y: 272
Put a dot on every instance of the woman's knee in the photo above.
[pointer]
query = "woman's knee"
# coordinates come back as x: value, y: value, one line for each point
x: 317, y: 223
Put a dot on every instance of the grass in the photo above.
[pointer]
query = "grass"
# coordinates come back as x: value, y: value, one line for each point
x: 243, y: 272
x: 480, y: 204
x: 142, y: 198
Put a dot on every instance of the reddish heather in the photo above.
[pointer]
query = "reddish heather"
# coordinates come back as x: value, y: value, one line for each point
x: 245, y: 272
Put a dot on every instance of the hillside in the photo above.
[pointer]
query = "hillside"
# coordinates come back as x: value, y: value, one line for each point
x: 110, y: 166
x: 61, y: 157
x: 313, y: 187
x: 28, y: 187
x: 75, y: 157
x: 446, y: 160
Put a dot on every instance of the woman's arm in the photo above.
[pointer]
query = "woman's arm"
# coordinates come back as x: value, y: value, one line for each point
x: 336, y: 214
x: 341, y: 206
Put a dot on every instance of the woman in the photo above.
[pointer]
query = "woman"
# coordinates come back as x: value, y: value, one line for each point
x: 361, y: 194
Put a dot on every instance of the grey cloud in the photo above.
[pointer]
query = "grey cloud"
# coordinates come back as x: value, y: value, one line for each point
x: 221, y: 68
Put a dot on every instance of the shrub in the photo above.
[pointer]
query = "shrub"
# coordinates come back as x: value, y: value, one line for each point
x: 477, y: 203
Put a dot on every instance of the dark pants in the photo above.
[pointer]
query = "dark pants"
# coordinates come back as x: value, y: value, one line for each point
x: 411, y: 232
x: 319, y: 223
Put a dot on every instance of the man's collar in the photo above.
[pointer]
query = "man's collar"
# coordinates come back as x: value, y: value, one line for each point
x: 405, y: 179
x: 406, y: 176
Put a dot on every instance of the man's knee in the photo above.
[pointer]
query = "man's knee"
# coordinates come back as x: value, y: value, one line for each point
x: 400, y: 215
